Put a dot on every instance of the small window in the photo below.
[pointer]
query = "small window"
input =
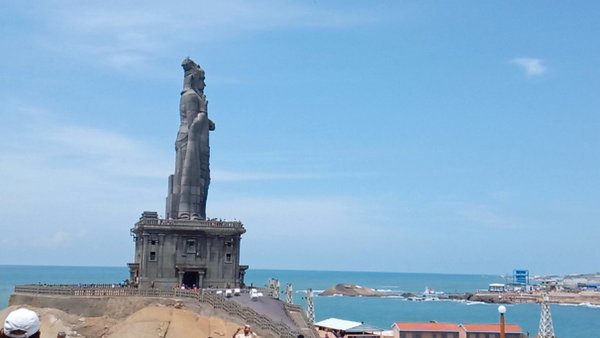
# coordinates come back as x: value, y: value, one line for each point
x: 152, y: 255
x: 228, y: 258
x: 153, y: 242
x: 229, y: 244
x: 191, y: 246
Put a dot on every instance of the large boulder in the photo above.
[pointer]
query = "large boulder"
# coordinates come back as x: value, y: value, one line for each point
x: 352, y: 290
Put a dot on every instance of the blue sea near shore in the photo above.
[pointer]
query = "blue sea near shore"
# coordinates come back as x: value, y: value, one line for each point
x: 569, y: 321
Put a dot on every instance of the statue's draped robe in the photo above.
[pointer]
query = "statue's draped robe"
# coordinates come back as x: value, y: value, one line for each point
x: 192, y: 174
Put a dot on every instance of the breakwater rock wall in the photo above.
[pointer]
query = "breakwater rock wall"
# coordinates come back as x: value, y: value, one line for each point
x: 557, y: 297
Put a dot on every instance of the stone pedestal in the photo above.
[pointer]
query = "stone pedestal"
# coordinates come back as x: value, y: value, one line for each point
x: 198, y: 253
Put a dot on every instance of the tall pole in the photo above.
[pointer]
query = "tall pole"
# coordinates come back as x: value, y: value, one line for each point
x: 288, y: 293
x: 502, y: 329
x: 273, y: 286
x: 502, y: 310
x: 310, y: 307
x: 546, y: 329
x: 276, y: 289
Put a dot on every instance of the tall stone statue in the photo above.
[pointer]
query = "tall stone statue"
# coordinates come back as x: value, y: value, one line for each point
x: 188, y: 187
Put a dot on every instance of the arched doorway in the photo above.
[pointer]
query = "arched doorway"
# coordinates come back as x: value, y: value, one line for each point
x: 190, y: 279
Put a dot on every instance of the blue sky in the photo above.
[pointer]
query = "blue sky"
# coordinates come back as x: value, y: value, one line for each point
x: 417, y: 136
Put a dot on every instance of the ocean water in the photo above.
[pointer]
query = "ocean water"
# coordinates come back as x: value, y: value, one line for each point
x: 569, y: 321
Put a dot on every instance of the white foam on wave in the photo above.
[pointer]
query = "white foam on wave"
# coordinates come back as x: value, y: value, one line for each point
x: 468, y: 302
x: 588, y: 305
x: 314, y: 291
x: 384, y: 290
x: 393, y: 296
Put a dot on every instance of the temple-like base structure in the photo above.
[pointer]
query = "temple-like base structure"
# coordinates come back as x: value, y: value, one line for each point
x: 189, y: 253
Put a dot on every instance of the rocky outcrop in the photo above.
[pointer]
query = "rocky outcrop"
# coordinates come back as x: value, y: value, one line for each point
x: 352, y: 290
x: 151, y: 321
x: 269, y: 317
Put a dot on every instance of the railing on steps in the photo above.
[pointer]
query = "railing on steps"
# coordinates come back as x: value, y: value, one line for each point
x: 209, y: 297
x: 304, y: 324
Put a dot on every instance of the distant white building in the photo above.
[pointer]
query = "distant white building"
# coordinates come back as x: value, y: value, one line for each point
x: 496, y: 287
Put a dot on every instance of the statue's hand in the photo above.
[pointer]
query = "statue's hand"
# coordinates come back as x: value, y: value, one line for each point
x: 211, y: 125
x: 199, y: 123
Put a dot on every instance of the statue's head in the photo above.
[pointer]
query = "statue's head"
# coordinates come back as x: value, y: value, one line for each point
x: 190, y: 67
x: 193, y: 75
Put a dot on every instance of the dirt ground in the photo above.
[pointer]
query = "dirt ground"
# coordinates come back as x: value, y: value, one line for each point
x: 173, y: 320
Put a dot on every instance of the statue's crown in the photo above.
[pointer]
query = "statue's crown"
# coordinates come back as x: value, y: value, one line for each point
x: 190, y: 67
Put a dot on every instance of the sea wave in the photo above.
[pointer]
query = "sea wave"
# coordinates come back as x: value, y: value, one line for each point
x: 474, y: 303
x: 390, y: 286
x: 314, y: 291
x: 586, y: 304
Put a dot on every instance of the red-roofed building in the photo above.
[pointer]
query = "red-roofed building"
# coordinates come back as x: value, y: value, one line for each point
x: 426, y: 330
x: 492, y: 331
x: 450, y: 330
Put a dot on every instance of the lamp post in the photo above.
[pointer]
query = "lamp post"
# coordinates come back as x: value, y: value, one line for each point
x: 502, y: 310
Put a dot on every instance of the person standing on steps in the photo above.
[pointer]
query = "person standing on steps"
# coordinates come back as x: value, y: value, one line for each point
x: 246, y: 332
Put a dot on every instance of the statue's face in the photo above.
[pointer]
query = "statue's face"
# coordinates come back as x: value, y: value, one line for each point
x: 199, y: 83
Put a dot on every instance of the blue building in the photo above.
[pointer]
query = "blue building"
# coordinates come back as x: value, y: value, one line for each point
x: 521, y: 277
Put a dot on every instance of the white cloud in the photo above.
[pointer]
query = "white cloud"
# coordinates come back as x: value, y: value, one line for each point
x: 531, y: 66
x: 128, y: 34
x: 58, y: 238
x: 224, y: 175
x: 100, y: 151
x: 66, y: 169
x: 35, y: 138
x: 281, y: 227
x: 233, y: 176
x: 486, y: 216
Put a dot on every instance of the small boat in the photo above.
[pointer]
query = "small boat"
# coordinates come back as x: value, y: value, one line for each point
x: 430, y: 294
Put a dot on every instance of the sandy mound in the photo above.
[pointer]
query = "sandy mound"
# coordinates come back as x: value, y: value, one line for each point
x: 152, y: 321
x: 170, y: 323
